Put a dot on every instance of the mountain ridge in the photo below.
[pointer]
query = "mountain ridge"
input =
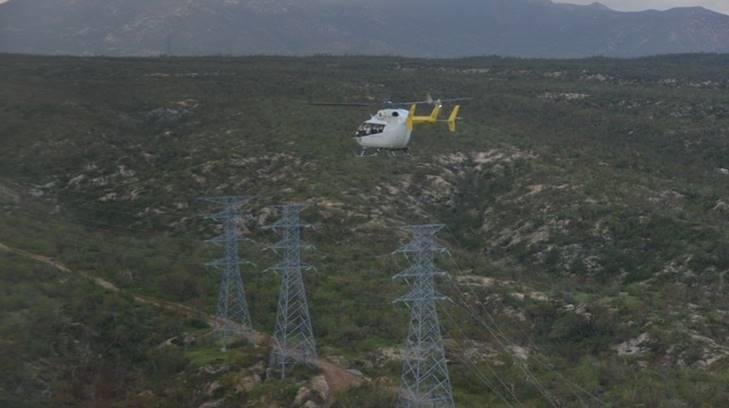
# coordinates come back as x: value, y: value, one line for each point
x: 523, y: 28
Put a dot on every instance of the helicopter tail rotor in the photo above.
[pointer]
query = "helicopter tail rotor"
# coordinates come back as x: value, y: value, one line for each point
x: 452, y: 118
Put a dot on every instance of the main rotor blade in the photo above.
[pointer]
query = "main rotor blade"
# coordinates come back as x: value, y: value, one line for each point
x: 430, y: 101
x: 387, y: 102
x: 413, y: 103
x: 467, y: 98
x: 353, y: 104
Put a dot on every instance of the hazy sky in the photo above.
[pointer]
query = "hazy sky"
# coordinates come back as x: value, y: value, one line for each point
x: 718, y: 5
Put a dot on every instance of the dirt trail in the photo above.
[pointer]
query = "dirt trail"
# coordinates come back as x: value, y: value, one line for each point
x: 338, y: 378
x: 44, y: 259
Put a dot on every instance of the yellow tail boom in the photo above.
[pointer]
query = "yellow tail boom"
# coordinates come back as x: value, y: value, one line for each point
x: 426, y: 120
x: 433, y: 118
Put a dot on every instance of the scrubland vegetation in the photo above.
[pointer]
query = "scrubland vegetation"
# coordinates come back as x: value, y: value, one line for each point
x: 585, y: 204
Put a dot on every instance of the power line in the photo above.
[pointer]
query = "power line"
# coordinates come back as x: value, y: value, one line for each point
x: 478, y: 372
x: 501, y: 338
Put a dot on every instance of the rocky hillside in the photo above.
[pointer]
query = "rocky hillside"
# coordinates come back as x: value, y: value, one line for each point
x: 532, y: 28
x: 585, y: 204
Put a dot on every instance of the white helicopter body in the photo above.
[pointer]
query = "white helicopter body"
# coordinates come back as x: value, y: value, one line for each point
x: 387, y: 129
x: 391, y: 128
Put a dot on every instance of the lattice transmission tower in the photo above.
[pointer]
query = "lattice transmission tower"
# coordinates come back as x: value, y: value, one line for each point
x: 232, y: 313
x: 293, y: 336
x: 424, y: 380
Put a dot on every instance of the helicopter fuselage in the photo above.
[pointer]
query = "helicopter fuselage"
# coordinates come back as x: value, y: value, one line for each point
x: 387, y: 129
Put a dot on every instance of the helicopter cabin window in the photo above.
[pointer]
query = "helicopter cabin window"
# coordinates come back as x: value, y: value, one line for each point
x: 370, y: 129
x: 395, y: 114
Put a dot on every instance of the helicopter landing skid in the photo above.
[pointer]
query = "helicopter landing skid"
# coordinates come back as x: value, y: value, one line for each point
x: 365, y: 153
x: 390, y: 152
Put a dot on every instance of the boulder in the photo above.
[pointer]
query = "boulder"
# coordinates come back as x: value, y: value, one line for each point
x: 320, y: 385
x: 302, y: 396
x: 247, y: 383
x: 212, y: 388
x: 212, y: 404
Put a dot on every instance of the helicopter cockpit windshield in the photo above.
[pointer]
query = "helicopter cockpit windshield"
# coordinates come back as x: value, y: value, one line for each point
x: 370, y: 129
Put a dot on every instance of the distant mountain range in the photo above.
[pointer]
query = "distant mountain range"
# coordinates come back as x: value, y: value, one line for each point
x: 427, y: 28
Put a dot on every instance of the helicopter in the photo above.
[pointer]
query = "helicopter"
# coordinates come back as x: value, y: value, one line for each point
x: 390, y: 129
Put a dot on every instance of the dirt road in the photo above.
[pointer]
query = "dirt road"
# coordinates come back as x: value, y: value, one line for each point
x: 338, y: 378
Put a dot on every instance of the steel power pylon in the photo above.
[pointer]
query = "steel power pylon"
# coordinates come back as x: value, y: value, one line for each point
x: 232, y: 306
x: 424, y: 379
x: 293, y: 336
